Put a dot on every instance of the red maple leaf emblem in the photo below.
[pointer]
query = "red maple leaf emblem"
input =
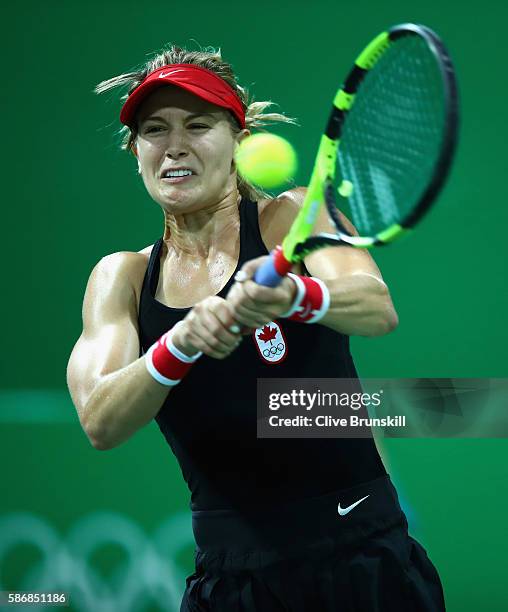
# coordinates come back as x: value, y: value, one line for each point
x: 268, y: 334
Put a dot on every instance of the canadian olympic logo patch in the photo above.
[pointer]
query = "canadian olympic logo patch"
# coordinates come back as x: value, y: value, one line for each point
x: 270, y: 342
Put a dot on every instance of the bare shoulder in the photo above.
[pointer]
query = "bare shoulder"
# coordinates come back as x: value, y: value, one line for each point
x: 125, y: 263
x: 277, y: 214
x: 292, y: 198
x: 146, y: 252
x: 122, y: 272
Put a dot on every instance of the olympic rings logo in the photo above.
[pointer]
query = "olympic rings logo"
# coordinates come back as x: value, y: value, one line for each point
x: 273, y: 350
x: 149, y: 573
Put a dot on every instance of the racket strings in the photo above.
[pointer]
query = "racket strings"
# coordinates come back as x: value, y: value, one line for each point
x: 392, y: 136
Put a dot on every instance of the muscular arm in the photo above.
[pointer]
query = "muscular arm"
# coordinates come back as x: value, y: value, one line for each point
x: 110, y: 386
x: 360, y: 302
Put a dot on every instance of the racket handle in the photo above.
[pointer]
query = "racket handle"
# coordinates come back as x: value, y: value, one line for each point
x: 267, y: 275
x: 271, y: 273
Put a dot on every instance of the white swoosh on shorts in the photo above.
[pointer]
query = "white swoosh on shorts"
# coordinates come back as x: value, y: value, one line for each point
x: 344, y: 511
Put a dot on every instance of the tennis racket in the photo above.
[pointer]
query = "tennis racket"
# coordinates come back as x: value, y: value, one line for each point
x: 388, y: 145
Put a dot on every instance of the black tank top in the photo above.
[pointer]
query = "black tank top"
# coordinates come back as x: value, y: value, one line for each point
x: 209, y: 419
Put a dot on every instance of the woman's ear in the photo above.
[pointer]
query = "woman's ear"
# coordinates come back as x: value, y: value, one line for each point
x: 245, y: 133
x: 135, y: 153
x: 239, y: 137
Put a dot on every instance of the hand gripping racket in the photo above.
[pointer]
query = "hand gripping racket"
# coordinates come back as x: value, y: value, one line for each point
x: 388, y: 145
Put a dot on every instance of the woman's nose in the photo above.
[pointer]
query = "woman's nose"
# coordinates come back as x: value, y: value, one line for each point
x: 175, y: 153
x: 177, y: 145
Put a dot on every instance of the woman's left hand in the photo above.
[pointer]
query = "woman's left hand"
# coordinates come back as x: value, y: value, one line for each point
x: 255, y: 305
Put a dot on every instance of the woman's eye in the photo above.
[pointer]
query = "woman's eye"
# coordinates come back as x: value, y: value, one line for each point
x: 192, y: 126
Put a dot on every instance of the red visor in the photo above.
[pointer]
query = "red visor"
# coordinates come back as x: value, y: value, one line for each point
x: 199, y: 81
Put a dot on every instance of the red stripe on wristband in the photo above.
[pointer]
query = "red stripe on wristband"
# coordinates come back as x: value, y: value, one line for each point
x: 167, y: 364
x: 311, y: 304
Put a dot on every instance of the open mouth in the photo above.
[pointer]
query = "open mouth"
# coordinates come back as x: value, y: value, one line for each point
x: 177, y: 179
x: 177, y: 176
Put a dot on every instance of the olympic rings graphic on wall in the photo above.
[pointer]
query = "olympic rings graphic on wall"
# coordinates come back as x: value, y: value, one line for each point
x: 149, y: 572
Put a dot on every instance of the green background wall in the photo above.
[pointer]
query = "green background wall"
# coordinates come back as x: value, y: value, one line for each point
x: 70, y: 196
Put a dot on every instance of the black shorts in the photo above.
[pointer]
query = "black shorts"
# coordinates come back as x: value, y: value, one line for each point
x: 306, y: 557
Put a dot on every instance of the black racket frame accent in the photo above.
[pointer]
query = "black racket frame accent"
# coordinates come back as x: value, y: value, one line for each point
x: 320, y: 240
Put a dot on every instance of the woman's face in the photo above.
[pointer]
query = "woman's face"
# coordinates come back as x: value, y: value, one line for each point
x: 179, y: 130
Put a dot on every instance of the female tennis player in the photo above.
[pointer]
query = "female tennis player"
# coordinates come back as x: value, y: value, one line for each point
x: 280, y: 524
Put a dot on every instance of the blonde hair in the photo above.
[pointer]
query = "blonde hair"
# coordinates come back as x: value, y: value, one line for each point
x: 211, y: 59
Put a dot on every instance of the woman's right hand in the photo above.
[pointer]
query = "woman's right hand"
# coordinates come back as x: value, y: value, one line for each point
x: 209, y: 327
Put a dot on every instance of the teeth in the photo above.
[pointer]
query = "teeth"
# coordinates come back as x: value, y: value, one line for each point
x: 174, y: 173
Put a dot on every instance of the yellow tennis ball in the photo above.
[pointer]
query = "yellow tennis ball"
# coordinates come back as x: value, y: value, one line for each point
x: 266, y: 160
